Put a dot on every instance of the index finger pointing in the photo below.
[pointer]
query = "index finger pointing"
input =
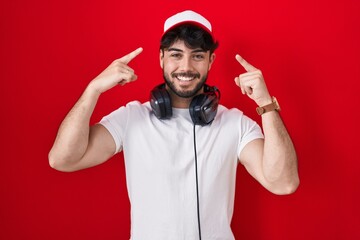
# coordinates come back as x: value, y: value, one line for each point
x: 127, y: 58
x: 247, y: 66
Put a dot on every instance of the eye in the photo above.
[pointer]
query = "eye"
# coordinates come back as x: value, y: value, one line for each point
x: 199, y: 57
x: 175, y: 55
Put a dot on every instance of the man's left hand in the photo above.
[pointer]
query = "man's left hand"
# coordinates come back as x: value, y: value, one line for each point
x: 252, y: 83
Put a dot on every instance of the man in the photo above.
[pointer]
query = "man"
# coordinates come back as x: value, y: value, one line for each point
x: 181, y: 148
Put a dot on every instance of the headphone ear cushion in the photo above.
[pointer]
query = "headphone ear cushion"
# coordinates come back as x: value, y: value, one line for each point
x: 203, y: 108
x: 160, y: 102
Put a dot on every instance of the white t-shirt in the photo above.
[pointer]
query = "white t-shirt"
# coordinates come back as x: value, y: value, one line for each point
x: 160, y: 170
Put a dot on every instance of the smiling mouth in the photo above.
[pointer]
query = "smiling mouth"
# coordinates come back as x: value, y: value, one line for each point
x: 185, y: 77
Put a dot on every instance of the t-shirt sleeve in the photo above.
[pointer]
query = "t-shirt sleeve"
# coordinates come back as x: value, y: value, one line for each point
x: 116, y: 123
x: 250, y: 131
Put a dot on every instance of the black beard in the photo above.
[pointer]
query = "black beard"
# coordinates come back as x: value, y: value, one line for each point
x: 185, y: 94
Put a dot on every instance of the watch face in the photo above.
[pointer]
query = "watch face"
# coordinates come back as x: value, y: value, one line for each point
x: 260, y: 110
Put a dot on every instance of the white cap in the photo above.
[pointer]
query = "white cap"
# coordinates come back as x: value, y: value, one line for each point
x: 190, y: 17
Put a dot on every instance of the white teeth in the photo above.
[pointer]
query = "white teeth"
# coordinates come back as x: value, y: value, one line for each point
x: 181, y: 78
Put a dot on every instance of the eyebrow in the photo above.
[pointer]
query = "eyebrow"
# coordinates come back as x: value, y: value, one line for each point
x: 179, y: 50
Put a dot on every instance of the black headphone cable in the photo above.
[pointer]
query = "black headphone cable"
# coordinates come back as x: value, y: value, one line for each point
x: 197, y: 187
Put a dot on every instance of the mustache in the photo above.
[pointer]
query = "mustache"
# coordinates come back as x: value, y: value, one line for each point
x: 186, y: 74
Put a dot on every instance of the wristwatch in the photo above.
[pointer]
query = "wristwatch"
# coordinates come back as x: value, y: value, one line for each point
x: 268, y: 108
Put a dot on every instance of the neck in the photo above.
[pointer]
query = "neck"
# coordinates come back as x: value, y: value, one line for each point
x: 181, y: 102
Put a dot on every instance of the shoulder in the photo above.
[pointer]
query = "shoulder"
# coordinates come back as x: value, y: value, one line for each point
x: 138, y: 106
x: 226, y: 113
x: 235, y: 117
x: 133, y: 107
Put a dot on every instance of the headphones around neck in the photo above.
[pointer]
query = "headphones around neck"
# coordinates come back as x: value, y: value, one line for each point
x: 203, y: 107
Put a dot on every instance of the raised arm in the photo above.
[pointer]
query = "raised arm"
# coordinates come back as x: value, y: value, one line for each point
x: 272, y: 161
x: 77, y: 145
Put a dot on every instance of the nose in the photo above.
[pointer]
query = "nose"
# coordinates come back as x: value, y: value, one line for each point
x: 186, y: 64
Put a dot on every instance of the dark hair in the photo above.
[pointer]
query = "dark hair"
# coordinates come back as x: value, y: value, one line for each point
x: 193, y: 36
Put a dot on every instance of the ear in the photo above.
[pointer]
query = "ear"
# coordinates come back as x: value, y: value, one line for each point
x: 161, y: 58
x: 212, y: 59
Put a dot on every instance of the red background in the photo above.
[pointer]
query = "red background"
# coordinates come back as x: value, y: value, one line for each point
x: 308, y: 51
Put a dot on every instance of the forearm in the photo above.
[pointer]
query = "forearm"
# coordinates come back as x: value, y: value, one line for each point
x: 279, y: 158
x: 73, y: 135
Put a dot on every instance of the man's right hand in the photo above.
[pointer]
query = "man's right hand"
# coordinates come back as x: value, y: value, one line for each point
x: 118, y: 72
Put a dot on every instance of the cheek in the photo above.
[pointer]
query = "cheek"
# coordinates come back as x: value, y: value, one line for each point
x: 203, y: 68
x: 168, y: 66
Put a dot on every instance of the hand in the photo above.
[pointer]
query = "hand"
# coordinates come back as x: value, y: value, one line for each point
x: 118, y: 72
x: 252, y: 83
